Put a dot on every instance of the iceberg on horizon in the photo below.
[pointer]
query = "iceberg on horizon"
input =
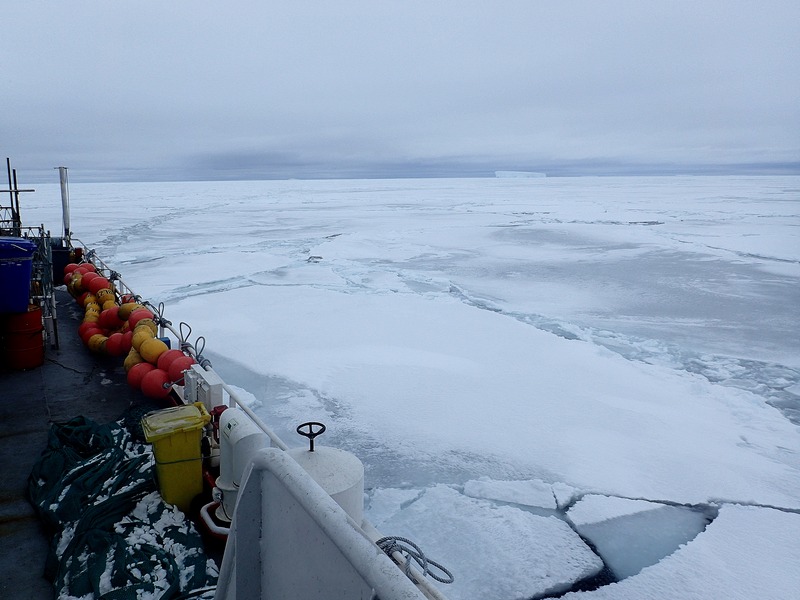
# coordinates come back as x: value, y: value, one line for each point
x: 518, y: 174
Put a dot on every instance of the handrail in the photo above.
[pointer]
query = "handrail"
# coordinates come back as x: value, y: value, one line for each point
x: 276, y: 441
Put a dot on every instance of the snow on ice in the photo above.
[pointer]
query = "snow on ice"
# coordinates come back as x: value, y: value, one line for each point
x: 505, y: 552
x: 509, y: 357
x: 747, y: 552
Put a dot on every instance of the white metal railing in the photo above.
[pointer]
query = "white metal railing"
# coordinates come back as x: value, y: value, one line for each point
x: 276, y: 441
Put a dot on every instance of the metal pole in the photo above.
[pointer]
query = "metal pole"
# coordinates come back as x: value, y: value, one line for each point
x: 10, y: 191
x: 18, y: 221
x: 62, y: 174
x: 11, y: 194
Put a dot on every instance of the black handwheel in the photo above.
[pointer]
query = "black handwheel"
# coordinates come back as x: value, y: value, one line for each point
x: 310, y: 432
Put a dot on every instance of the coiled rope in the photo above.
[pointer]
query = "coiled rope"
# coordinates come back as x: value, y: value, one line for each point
x: 390, y: 544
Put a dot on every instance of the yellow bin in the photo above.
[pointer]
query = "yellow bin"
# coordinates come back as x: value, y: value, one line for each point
x: 175, y: 434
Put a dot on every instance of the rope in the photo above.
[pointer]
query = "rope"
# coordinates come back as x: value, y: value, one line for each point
x: 405, y: 546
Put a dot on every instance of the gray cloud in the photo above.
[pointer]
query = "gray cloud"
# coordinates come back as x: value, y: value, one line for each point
x: 354, y: 88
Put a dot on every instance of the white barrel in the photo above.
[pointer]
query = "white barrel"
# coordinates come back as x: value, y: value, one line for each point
x: 339, y: 473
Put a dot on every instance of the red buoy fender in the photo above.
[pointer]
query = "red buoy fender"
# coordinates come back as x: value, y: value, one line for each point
x: 155, y: 384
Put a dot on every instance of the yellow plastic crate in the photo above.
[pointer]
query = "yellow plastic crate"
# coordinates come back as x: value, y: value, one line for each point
x: 175, y: 434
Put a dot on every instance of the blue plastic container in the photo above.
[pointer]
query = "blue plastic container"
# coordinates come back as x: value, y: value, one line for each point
x: 16, y: 265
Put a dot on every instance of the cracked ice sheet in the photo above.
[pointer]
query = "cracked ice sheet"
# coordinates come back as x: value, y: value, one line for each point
x: 633, y: 534
x: 492, y: 551
x: 596, y: 509
x: 745, y: 553
x: 431, y: 376
x: 532, y: 492
x: 441, y: 232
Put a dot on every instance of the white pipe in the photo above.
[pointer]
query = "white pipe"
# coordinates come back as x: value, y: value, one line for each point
x: 62, y: 174
x: 212, y: 527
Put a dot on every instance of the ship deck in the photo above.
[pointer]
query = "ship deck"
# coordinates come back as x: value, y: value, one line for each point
x: 71, y: 382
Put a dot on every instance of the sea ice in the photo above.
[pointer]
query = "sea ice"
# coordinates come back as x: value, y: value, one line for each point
x: 532, y: 492
x: 633, y: 534
x: 620, y: 335
x: 383, y: 503
x: 747, y: 552
x: 493, y: 551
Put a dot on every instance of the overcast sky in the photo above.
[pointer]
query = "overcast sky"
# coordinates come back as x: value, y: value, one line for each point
x: 337, y: 88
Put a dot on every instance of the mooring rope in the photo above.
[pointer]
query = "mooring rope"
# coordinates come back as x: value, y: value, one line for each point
x: 390, y: 544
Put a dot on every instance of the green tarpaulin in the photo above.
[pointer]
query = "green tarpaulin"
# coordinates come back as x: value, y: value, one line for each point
x: 114, y: 538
